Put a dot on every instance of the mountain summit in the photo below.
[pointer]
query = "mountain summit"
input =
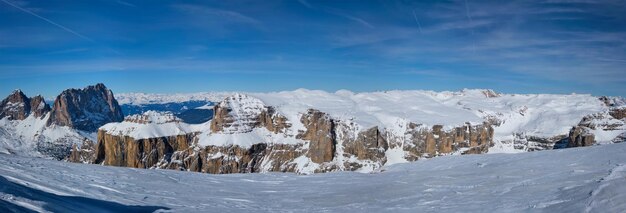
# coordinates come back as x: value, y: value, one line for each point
x: 18, y: 106
x: 86, y: 109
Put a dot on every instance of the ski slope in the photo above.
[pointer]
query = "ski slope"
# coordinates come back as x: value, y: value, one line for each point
x: 591, y: 179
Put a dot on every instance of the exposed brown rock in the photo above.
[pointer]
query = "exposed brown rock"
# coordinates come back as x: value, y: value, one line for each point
x: 38, y: 106
x: 369, y: 145
x: 141, y: 153
x: 86, y: 109
x: 18, y: 106
x: 435, y: 141
x: 618, y: 113
x: 320, y: 131
x: 273, y: 121
x: 580, y: 136
x: 366, y: 148
x: 490, y: 93
x: 229, y: 116
x: 176, y: 152
x: 85, y: 153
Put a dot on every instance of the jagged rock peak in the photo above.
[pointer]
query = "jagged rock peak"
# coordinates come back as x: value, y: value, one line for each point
x: 38, y: 106
x: 490, y: 93
x: 18, y: 106
x: 86, y: 109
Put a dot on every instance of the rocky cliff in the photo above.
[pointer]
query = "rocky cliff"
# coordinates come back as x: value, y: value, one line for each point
x: 85, y: 109
x: 18, y: 106
x: 310, y: 131
x: 319, y: 143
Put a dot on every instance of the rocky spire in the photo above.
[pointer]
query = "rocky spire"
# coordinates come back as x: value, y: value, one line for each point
x: 86, y: 109
x: 18, y: 106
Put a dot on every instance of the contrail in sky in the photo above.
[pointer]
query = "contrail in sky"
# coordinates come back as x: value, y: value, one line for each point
x: 418, y: 22
x: 49, y: 21
x: 469, y: 18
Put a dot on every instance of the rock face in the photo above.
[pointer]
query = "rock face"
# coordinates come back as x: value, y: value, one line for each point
x: 138, y: 153
x: 369, y: 145
x: 618, y: 113
x: 580, y: 136
x: 18, y: 106
x: 468, y: 139
x: 86, y: 109
x: 327, y: 144
x: 240, y: 114
x: 320, y: 130
x: 179, y: 153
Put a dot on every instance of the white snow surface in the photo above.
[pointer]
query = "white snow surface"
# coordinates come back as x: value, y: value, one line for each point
x: 541, y: 115
x: 22, y: 136
x: 590, y: 179
x: 151, y: 124
x: 151, y: 98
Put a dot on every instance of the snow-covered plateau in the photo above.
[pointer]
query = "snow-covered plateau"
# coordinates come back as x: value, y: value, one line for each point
x: 515, y: 116
x: 589, y: 179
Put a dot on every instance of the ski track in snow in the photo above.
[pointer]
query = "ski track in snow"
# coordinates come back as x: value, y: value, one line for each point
x: 591, y: 179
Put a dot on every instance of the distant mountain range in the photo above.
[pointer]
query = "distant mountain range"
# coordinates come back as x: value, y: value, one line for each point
x: 302, y: 131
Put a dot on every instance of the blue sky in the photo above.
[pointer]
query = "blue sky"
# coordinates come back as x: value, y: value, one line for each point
x: 549, y: 46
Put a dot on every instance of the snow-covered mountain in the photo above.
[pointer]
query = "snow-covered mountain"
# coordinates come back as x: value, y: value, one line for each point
x: 30, y: 127
x: 517, y: 116
x: 589, y: 179
x: 307, y: 131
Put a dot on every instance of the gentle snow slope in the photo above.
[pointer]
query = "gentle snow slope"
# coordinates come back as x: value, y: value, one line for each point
x: 570, y: 180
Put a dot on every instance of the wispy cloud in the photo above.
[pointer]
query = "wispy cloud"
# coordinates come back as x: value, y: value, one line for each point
x: 419, y: 26
x: 73, y: 50
x: 223, y: 15
x: 47, y: 20
x: 348, y: 16
x: 338, y: 13
x: 125, y: 3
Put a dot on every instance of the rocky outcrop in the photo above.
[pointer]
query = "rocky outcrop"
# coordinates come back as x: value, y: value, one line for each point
x: 179, y: 153
x: 126, y: 151
x: 18, y: 106
x: 241, y: 113
x: 617, y: 106
x: 325, y: 143
x: 490, y: 93
x: 86, y: 109
x: 85, y: 153
x: 369, y: 145
x: 320, y: 131
x: 618, y: 113
x: 38, y: 106
x: 531, y: 143
x: 435, y: 141
x: 580, y: 136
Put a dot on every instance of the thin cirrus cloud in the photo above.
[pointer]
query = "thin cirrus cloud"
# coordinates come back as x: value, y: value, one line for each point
x: 338, y: 13
x: 512, y: 46
x: 28, y: 11
x: 223, y: 15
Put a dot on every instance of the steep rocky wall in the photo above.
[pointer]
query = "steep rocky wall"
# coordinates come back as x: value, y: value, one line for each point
x: 125, y: 151
x: 320, y: 131
x: 85, y: 109
x: 177, y: 152
x: 235, y: 159
x: 329, y: 145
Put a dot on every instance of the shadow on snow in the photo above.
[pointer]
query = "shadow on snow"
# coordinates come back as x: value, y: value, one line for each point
x: 58, y: 203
